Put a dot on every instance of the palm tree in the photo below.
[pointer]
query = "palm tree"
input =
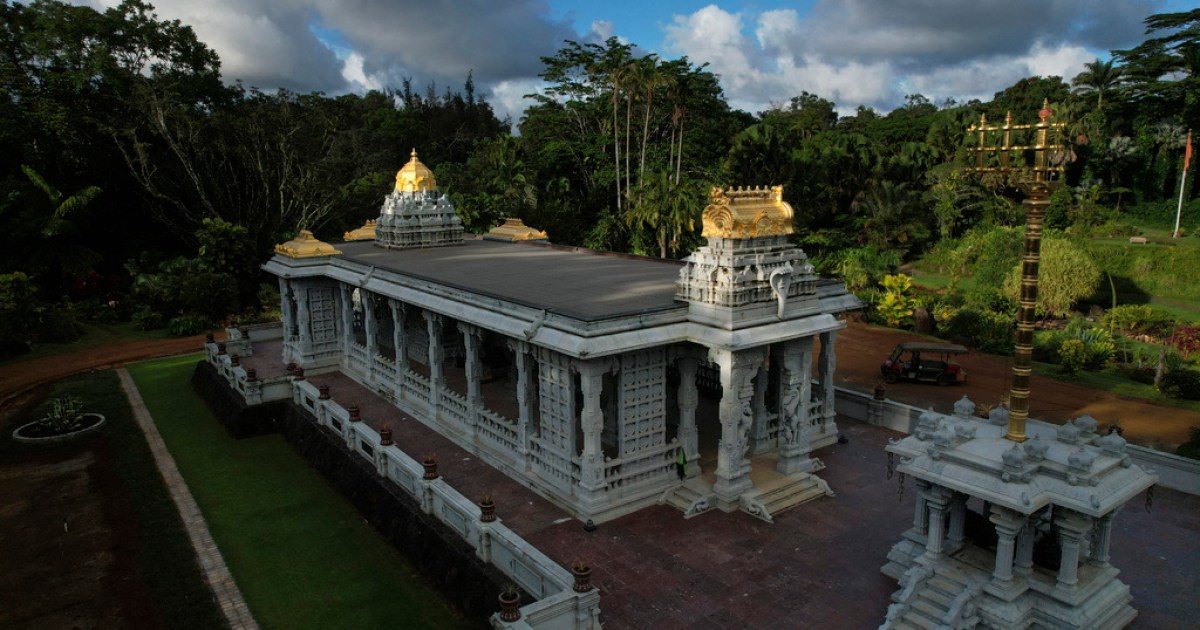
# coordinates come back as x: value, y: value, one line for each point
x: 650, y: 76
x: 662, y: 207
x: 892, y: 219
x: 1099, y: 77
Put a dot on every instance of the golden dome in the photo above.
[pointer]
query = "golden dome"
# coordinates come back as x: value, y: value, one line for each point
x: 305, y: 245
x: 513, y: 230
x: 364, y: 233
x: 747, y: 213
x: 415, y: 176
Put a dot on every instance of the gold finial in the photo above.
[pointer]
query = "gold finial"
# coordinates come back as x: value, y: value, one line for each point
x: 305, y: 245
x: 747, y: 212
x: 415, y: 176
x: 1046, y: 111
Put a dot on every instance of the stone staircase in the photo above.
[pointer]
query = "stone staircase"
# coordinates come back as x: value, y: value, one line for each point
x: 694, y: 497
x: 775, y: 496
x: 934, y: 598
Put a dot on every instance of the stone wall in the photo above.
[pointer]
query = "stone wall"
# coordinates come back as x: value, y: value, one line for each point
x: 442, y: 558
x: 239, y: 419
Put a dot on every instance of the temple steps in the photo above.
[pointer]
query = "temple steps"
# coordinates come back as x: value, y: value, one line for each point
x: 693, y: 498
x: 932, y: 603
x: 773, y: 497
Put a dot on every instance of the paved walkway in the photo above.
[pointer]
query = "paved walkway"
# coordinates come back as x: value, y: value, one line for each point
x: 215, y: 571
x: 817, y: 566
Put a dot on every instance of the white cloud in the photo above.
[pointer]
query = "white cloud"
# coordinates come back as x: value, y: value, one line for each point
x: 508, y: 97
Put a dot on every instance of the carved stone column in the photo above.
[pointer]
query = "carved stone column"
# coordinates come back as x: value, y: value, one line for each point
x: 689, y: 400
x: 760, y: 429
x: 1023, y: 564
x: 827, y: 364
x: 433, y: 326
x: 1102, y: 539
x: 370, y: 324
x: 1072, y: 527
x: 287, y: 308
x: 733, y: 469
x: 921, y: 509
x: 1008, y: 524
x: 958, y: 520
x: 302, y: 320
x: 938, y: 500
x: 794, y: 423
x: 472, y: 335
x: 523, y: 359
x: 399, y: 336
x: 591, y: 464
x: 346, y: 293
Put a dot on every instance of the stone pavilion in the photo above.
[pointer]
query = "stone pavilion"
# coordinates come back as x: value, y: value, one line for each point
x: 588, y: 377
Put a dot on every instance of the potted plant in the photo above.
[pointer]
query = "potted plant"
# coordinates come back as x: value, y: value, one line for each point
x: 429, y: 461
x: 510, y: 602
x: 487, y: 509
x: 583, y: 576
x: 65, y: 420
x: 880, y: 389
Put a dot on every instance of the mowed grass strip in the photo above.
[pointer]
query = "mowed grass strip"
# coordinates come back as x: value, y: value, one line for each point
x: 302, y: 556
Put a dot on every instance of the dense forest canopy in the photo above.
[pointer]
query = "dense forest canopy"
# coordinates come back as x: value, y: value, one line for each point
x: 133, y: 172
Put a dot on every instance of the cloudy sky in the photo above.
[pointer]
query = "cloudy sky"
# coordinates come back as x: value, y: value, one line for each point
x: 854, y: 52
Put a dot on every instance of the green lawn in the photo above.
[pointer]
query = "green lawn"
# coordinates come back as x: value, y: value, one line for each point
x: 301, y: 554
x: 1111, y: 381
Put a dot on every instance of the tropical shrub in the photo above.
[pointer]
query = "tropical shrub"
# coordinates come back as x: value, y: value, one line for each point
x: 897, y: 304
x: 1071, y: 356
x: 1066, y: 274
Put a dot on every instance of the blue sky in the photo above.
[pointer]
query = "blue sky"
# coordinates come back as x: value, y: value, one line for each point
x: 854, y: 52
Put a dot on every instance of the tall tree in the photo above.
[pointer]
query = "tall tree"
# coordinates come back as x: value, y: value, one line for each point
x: 1098, y: 77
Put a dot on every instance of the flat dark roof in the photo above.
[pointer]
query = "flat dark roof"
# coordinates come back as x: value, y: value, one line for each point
x: 578, y: 283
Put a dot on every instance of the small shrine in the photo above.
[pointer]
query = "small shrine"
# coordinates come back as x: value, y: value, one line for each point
x: 1013, y: 519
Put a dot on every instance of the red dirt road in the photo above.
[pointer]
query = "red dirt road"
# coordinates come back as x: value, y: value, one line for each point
x: 21, y: 379
x: 860, y: 350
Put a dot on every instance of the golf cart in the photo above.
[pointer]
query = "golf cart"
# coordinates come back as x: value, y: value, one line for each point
x: 924, y: 361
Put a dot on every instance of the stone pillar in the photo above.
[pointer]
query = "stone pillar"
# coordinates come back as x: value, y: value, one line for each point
x: 938, y: 500
x: 472, y: 336
x: 286, y: 309
x: 474, y: 373
x: 302, y: 320
x: 826, y: 369
x: 1023, y: 564
x: 794, y: 423
x: 760, y: 427
x: 733, y: 469
x: 346, y: 292
x: 1072, y: 527
x: 399, y: 336
x: 433, y: 326
x: 958, y: 520
x: 689, y: 400
x: 370, y: 325
x: 591, y: 461
x: 921, y: 510
x: 1008, y: 524
x: 523, y: 359
x: 1102, y: 539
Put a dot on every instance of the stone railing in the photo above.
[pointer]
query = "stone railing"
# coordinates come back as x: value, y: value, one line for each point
x: 557, y: 605
x: 497, y: 432
x: 649, y: 469
x: 254, y: 392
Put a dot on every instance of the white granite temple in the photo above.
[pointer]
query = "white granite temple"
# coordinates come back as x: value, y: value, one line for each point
x: 589, y: 377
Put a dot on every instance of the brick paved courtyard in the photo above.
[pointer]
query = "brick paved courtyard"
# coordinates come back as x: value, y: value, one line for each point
x: 817, y: 566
